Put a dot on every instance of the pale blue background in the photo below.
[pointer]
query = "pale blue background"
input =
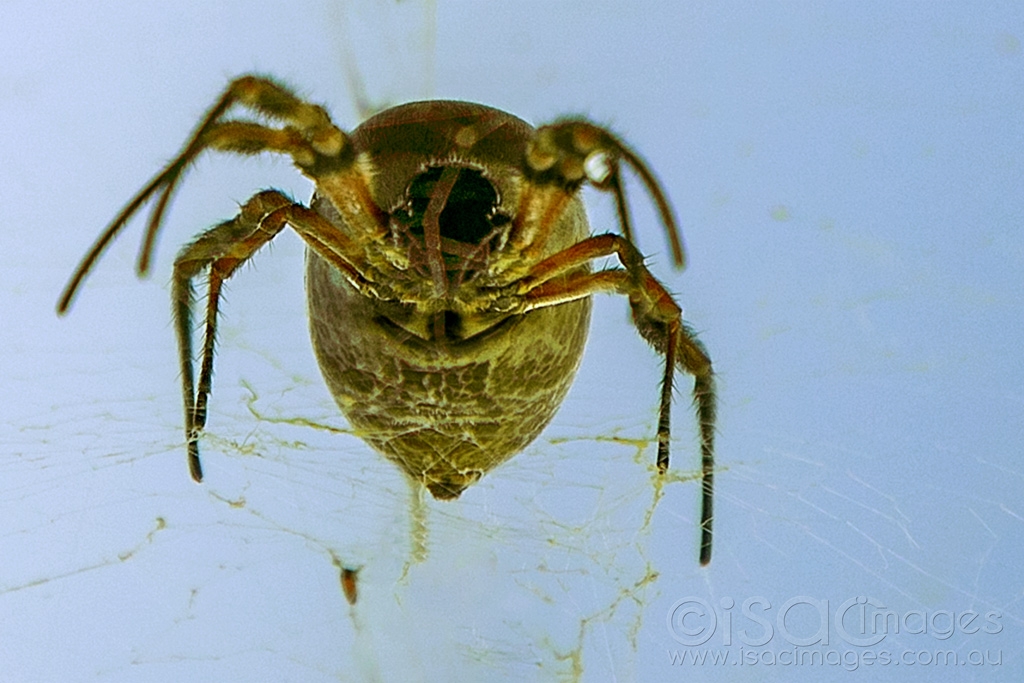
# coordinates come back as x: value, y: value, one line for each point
x: 848, y: 177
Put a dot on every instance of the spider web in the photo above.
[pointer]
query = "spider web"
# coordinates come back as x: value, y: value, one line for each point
x: 868, y: 422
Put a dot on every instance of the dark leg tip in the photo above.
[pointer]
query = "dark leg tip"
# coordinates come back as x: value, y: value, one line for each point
x: 705, y: 554
x: 194, y: 466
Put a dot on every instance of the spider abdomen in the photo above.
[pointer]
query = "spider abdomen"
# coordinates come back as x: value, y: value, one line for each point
x: 445, y: 413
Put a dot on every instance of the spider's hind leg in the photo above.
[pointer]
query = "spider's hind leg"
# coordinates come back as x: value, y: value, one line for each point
x: 220, y: 251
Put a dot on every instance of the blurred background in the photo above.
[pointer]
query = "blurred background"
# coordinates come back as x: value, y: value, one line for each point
x: 848, y: 180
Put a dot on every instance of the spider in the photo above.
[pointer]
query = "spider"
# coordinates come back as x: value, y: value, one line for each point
x: 448, y: 273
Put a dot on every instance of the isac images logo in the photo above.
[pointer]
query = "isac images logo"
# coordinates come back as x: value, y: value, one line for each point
x: 805, y: 631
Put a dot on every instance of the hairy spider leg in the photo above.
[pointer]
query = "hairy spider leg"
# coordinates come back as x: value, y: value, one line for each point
x: 221, y: 250
x: 318, y: 148
x: 557, y: 280
x: 310, y: 138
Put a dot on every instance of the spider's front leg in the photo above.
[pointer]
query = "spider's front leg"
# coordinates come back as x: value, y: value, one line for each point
x: 559, y: 159
x: 321, y: 150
